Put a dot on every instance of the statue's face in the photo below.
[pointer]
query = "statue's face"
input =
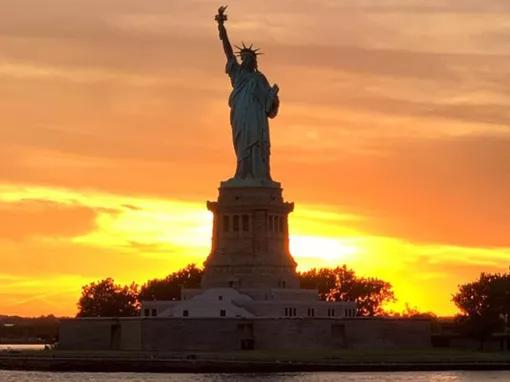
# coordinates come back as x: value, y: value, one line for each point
x: 249, y: 61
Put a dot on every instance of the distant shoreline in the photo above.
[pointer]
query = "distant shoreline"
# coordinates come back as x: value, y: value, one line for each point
x: 55, y: 361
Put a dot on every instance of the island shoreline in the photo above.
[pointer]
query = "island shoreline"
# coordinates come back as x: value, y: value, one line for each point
x: 57, y: 363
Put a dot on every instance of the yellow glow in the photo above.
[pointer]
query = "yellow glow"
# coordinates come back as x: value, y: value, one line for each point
x: 138, y: 238
x: 397, y: 141
x: 315, y: 251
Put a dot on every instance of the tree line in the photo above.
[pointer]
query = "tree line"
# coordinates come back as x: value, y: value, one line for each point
x: 484, y: 304
x: 35, y: 330
x: 106, y: 298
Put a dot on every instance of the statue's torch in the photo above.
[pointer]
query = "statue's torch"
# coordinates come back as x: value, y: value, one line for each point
x: 221, y: 17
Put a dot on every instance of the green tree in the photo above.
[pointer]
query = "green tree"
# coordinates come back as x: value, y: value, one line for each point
x: 342, y: 284
x: 169, y: 288
x: 484, y: 305
x: 323, y: 279
x: 107, y: 299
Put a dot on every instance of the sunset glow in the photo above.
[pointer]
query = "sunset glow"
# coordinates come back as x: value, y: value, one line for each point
x: 393, y: 140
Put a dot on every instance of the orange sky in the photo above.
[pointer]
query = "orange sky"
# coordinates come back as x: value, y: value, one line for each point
x: 393, y: 139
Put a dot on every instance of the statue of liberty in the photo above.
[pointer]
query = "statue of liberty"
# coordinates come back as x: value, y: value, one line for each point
x: 251, y: 102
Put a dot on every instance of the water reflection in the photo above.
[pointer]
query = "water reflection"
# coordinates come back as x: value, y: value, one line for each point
x: 453, y: 376
x: 22, y: 346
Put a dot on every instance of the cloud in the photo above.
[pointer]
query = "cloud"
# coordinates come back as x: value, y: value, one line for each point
x: 451, y: 190
x: 393, y: 120
x: 26, y: 219
x: 137, y: 238
x: 425, y: 275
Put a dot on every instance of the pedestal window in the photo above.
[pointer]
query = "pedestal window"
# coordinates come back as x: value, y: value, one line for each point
x: 226, y: 223
x: 246, y: 223
x: 235, y: 224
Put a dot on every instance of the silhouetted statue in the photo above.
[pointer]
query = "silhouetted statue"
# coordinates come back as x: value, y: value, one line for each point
x: 251, y: 102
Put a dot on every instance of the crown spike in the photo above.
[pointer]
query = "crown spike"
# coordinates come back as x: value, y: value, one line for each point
x: 247, y: 49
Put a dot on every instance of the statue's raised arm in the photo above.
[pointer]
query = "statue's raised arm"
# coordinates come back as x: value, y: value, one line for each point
x: 221, y: 17
x: 252, y: 102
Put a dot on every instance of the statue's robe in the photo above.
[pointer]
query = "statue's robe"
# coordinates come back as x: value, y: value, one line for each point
x: 251, y: 102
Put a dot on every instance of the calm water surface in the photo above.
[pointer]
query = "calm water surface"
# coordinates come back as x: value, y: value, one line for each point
x: 21, y: 347
x: 453, y: 376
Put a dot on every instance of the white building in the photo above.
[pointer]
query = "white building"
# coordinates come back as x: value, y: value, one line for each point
x: 232, y: 303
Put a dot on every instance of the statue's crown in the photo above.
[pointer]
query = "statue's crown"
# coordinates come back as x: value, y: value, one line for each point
x: 247, y: 49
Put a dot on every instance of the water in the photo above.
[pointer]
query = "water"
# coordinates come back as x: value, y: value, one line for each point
x: 21, y: 347
x: 448, y: 376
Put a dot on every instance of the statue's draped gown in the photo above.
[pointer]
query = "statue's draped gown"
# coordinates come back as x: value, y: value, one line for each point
x: 251, y: 102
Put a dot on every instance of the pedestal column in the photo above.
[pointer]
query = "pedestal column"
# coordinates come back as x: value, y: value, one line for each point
x: 250, y: 242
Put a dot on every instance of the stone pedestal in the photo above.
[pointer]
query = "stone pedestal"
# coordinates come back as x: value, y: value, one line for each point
x: 250, y: 241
